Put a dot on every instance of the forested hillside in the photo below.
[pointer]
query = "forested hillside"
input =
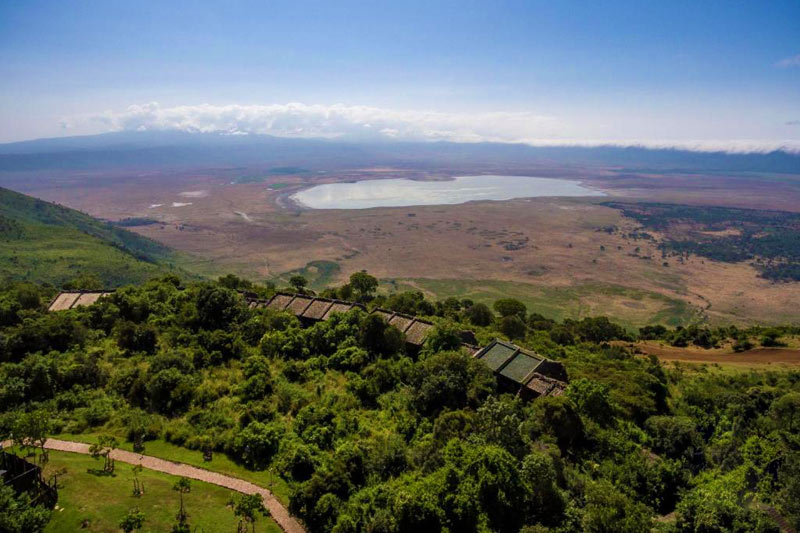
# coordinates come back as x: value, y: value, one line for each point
x: 366, y: 437
x: 45, y: 242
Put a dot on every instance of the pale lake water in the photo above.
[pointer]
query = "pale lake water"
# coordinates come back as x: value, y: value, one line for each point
x: 403, y: 192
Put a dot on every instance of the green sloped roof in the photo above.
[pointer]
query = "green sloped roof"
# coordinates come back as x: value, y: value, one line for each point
x: 496, y: 355
x: 519, y: 367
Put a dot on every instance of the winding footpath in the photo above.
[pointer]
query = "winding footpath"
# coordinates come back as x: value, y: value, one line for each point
x: 278, y: 512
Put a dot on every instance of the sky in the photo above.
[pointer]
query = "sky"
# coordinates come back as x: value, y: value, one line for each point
x: 706, y: 75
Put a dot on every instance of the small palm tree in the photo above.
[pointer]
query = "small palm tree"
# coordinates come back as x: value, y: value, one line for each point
x: 138, y: 487
x: 183, y: 486
x: 249, y: 507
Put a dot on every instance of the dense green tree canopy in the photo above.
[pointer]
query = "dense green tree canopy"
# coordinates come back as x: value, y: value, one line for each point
x: 372, y: 435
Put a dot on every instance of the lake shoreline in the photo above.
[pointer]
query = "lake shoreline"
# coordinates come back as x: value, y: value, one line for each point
x: 403, y: 192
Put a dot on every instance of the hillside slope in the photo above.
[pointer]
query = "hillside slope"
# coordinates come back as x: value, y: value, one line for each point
x: 45, y: 242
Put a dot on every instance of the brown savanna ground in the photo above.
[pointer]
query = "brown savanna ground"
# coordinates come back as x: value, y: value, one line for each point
x: 724, y: 357
x: 551, y: 245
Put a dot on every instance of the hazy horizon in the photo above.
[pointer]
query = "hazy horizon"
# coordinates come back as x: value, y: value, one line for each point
x: 710, y: 76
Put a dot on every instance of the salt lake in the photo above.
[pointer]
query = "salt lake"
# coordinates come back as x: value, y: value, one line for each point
x: 404, y: 192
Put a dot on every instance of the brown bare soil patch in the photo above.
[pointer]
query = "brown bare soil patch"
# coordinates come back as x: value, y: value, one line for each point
x: 539, y: 244
x: 750, y: 357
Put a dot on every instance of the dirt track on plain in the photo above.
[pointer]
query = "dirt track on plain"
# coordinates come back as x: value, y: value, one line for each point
x: 756, y: 356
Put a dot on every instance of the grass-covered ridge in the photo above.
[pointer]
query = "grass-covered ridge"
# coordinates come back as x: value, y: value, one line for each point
x: 44, y: 242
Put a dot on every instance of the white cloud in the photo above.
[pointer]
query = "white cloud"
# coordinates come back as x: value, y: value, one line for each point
x: 788, y: 62
x: 372, y: 123
x: 334, y: 121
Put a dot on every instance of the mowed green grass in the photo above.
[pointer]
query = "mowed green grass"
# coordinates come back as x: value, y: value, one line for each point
x: 632, y: 308
x: 220, y: 463
x: 100, y: 501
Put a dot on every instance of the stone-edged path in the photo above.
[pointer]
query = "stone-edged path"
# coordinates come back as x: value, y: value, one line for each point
x: 276, y: 509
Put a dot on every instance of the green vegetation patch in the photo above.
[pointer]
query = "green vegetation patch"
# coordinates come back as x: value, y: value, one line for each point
x: 275, y: 171
x: 588, y: 299
x: 731, y: 235
x: 45, y: 242
x: 320, y: 274
x: 367, y: 435
x: 132, y: 222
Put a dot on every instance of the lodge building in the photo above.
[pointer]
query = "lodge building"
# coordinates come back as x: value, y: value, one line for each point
x: 518, y: 371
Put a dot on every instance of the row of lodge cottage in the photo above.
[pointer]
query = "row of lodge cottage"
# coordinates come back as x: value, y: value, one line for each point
x: 519, y: 371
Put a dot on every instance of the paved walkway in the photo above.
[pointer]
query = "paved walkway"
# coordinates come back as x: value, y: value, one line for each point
x: 276, y: 509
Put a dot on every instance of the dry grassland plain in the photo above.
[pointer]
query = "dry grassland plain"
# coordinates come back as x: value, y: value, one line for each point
x: 551, y: 253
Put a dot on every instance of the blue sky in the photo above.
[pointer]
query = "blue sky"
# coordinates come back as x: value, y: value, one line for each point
x: 704, y: 73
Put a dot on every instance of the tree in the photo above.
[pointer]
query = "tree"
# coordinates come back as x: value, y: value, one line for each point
x: 510, y: 307
x: 556, y: 416
x: 249, y: 507
x: 364, y: 286
x: 591, y: 399
x: 608, y: 510
x: 31, y: 429
x: 85, y: 282
x: 770, y: 338
x: 103, y: 448
x: 298, y: 282
x: 545, y: 502
x: 675, y: 437
x: 257, y: 443
x: 563, y: 336
x: 170, y: 390
x: 513, y: 327
x: 182, y: 486
x: 451, y: 380
x: 133, y: 521
x: 786, y: 411
x: 17, y: 515
x: 479, y: 315
x: 218, y: 308
x: 136, y: 337
x: 443, y: 337
x: 138, y: 487
x: 378, y: 337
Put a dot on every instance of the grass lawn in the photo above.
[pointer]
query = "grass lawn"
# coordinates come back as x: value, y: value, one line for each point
x: 220, y: 463
x: 97, y: 502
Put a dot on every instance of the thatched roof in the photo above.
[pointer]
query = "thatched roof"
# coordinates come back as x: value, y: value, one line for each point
x: 401, y: 322
x: 299, y: 304
x: 415, y: 329
x: 524, y: 369
x: 338, y: 307
x: 71, y: 299
x: 304, y: 306
x: 383, y: 313
x: 418, y: 331
x: 280, y: 301
x: 317, y: 309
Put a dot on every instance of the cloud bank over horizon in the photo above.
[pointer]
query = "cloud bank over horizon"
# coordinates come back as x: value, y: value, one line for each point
x: 367, y: 123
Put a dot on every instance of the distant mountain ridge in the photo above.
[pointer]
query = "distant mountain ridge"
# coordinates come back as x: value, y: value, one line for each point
x: 178, y: 149
x: 45, y: 242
